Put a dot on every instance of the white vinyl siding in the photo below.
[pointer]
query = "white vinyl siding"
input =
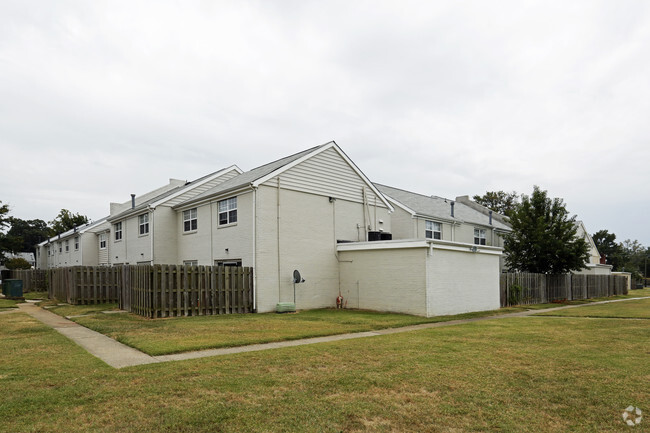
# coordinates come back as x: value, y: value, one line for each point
x: 193, y: 192
x: 328, y: 174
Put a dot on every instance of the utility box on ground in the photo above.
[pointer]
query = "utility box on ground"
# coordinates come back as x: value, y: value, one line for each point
x: 12, y: 289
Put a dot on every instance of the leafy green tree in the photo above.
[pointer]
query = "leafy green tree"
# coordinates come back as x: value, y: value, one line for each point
x: 633, y: 258
x: 4, y: 223
x: 17, y: 263
x: 65, y: 221
x: 25, y: 234
x: 544, y: 238
x: 498, y: 201
x: 4, y: 210
x: 607, y: 245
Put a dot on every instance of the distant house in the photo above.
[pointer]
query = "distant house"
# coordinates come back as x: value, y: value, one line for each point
x: 595, y: 266
x: 28, y: 257
x: 79, y: 246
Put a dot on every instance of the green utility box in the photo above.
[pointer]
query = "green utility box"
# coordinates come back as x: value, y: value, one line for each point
x: 285, y: 307
x: 12, y: 289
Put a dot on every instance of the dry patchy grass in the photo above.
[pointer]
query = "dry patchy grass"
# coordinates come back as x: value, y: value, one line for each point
x: 538, y: 374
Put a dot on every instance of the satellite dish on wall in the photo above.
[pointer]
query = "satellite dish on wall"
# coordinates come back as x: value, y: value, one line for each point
x: 297, y: 278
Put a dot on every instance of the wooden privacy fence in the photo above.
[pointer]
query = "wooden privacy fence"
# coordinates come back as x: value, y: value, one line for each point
x: 34, y: 280
x: 543, y: 288
x: 159, y: 290
x: 173, y: 290
x: 85, y: 284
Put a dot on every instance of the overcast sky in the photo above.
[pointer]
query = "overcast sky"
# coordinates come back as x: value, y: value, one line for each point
x: 102, y: 99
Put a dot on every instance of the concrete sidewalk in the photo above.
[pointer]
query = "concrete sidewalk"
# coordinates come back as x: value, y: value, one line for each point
x: 118, y: 355
x: 105, y: 348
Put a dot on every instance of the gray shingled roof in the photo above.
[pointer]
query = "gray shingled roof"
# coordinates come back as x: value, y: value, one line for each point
x: 438, y: 207
x: 250, y: 176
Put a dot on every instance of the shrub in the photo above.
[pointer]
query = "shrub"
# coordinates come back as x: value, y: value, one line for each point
x: 17, y: 263
x: 514, y: 297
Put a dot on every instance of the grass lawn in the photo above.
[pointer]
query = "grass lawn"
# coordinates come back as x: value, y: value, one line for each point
x: 541, y: 374
x: 6, y: 304
x: 628, y: 309
x: 182, y: 334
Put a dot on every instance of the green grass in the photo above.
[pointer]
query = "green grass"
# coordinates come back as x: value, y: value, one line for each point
x: 182, y: 334
x: 7, y: 304
x: 542, y: 374
x: 625, y: 310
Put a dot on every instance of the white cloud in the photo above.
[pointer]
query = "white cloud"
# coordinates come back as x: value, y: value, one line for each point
x: 98, y: 100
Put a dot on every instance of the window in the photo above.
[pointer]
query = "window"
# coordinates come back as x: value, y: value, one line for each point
x: 191, y: 262
x: 190, y: 222
x: 67, y: 246
x: 433, y: 230
x: 118, y: 231
x: 479, y: 236
x: 102, y: 241
x: 228, y: 211
x: 60, y: 248
x: 76, y: 243
x: 143, y: 220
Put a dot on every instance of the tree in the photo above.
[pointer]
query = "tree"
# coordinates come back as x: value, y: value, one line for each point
x: 498, y: 201
x: 17, y: 263
x: 633, y: 258
x: 4, y: 222
x: 25, y: 234
x: 65, y: 221
x: 607, y: 245
x: 543, y: 238
x: 4, y: 210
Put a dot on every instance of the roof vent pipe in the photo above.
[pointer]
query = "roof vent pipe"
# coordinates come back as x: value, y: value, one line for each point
x: 490, y: 217
x: 132, y: 201
x: 452, y: 209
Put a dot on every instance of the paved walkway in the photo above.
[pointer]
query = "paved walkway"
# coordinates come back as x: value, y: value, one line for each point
x: 118, y: 355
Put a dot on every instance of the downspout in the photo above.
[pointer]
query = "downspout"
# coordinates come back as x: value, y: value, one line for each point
x: 151, y: 210
x: 254, y: 248
x: 211, y: 234
x: 278, y: 234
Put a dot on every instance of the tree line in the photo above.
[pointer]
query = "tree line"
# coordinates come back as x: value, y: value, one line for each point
x: 18, y: 235
x: 544, y: 237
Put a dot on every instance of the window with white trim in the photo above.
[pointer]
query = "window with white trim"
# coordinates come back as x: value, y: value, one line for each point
x: 228, y: 211
x: 118, y: 231
x: 433, y: 230
x: 479, y: 236
x: 143, y: 221
x: 67, y: 246
x: 102, y: 241
x: 190, y: 221
x: 60, y: 248
x: 76, y: 243
x: 191, y: 262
